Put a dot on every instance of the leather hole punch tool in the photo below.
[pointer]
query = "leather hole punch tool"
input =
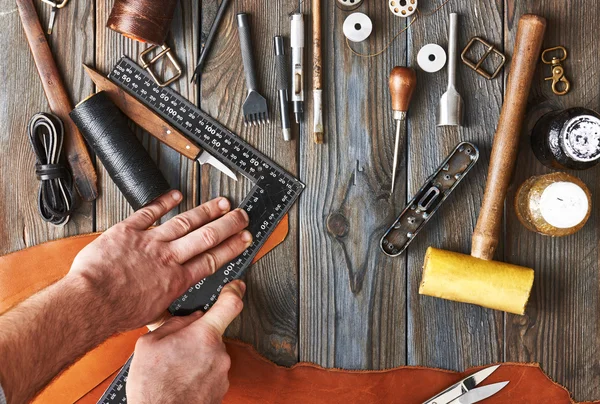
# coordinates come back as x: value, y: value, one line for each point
x: 477, y: 66
x: 558, y: 72
x: 147, y: 65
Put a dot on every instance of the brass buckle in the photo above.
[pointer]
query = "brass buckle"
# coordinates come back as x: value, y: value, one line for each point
x: 147, y: 65
x: 56, y: 4
x: 477, y: 65
x: 558, y: 72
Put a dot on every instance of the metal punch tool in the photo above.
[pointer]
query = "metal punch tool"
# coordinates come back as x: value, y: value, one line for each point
x: 466, y: 392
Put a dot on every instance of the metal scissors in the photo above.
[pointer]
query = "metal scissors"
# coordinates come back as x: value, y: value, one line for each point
x: 465, y: 392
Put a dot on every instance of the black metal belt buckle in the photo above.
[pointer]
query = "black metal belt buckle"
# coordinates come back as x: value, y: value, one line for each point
x: 477, y: 65
x: 428, y: 200
x: 147, y: 65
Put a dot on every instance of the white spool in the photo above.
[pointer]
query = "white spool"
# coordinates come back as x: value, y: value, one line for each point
x: 358, y: 27
x: 348, y: 5
x: 403, y: 8
x: 431, y: 58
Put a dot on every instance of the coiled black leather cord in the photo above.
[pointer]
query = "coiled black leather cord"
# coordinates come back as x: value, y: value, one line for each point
x: 55, y: 197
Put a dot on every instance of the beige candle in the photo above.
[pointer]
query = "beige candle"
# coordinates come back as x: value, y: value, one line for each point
x: 555, y: 205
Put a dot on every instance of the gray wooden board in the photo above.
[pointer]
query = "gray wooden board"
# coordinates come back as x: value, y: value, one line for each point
x: 327, y: 295
x: 22, y: 96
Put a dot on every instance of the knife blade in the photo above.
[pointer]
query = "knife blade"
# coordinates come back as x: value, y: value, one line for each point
x: 153, y: 124
x: 458, y: 389
x: 479, y: 394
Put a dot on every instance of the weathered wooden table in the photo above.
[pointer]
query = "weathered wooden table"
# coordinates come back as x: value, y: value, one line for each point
x: 328, y: 295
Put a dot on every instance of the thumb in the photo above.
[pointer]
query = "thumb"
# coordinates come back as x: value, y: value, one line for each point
x: 228, y: 306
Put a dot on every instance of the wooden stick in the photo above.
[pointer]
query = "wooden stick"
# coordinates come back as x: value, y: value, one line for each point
x: 84, y: 173
x: 317, y: 73
x: 528, y: 44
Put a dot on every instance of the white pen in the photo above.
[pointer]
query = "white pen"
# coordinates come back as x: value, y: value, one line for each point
x: 297, y: 42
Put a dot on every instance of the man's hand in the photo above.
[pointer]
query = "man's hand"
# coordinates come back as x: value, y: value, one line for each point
x: 138, y: 272
x: 185, y: 359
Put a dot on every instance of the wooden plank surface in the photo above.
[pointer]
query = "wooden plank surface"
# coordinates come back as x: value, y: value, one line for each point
x: 441, y: 333
x: 269, y: 320
x: 352, y: 309
x: 20, y: 222
x: 328, y: 295
x: 562, y: 325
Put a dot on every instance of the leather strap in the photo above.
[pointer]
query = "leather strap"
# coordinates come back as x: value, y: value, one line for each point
x: 55, y: 197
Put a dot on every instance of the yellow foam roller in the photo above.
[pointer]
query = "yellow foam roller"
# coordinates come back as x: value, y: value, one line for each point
x: 466, y: 279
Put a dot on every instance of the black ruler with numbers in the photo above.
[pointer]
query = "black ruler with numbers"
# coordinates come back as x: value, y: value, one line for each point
x: 272, y: 196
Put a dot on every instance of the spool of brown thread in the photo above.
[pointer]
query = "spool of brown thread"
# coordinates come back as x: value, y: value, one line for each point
x: 143, y: 20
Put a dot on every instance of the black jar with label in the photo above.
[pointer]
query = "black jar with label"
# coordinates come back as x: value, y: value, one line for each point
x: 567, y: 139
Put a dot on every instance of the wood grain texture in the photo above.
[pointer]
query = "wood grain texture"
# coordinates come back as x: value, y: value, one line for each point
x: 22, y: 96
x: 180, y: 172
x: 441, y: 333
x: 352, y: 305
x: 269, y: 320
x: 562, y: 327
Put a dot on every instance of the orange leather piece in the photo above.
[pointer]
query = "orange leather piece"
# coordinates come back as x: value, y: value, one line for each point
x: 26, y: 272
x: 253, y: 379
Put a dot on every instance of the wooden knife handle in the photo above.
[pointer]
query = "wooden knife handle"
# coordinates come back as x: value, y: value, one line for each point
x: 84, y: 173
x: 528, y: 44
x: 144, y: 117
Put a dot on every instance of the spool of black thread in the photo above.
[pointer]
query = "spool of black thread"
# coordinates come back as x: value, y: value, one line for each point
x: 106, y: 130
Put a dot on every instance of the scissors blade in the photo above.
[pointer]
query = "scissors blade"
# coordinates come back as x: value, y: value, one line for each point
x: 479, y: 394
x: 460, y: 388
x: 206, y: 157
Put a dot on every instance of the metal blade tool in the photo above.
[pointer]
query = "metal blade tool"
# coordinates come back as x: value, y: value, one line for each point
x: 450, y: 111
x: 403, y: 81
x: 465, y: 391
x: 273, y: 194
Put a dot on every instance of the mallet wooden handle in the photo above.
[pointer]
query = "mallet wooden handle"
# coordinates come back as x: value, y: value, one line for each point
x: 403, y: 81
x: 528, y: 44
x: 80, y: 161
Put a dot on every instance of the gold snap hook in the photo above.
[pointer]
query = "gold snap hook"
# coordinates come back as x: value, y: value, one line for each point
x: 558, y: 72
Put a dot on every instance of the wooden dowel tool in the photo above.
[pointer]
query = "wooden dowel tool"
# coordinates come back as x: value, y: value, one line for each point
x: 476, y: 279
x: 317, y: 74
x: 80, y: 161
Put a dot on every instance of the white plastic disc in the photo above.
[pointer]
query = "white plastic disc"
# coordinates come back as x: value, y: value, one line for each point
x: 431, y: 58
x: 403, y: 8
x: 358, y: 27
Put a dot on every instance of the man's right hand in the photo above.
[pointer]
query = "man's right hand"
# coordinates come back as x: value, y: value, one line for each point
x: 185, y: 359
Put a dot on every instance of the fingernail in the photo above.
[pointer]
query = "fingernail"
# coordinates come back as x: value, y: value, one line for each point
x: 242, y: 288
x: 224, y: 204
x: 246, y: 236
x: 244, y: 213
x: 177, y: 196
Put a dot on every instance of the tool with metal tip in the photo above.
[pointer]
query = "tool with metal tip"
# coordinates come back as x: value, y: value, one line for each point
x: 317, y: 74
x: 283, y: 84
x: 255, y: 107
x: 403, y: 81
x: 206, y: 45
x: 297, y: 42
x: 450, y: 112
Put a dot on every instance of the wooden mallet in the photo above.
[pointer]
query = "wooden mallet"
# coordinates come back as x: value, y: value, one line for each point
x: 477, y: 279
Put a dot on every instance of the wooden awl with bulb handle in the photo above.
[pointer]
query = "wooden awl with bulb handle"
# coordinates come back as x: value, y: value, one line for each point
x: 403, y: 81
x: 477, y: 279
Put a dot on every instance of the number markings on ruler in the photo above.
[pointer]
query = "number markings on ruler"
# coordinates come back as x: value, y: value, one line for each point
x: 269, y: 200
